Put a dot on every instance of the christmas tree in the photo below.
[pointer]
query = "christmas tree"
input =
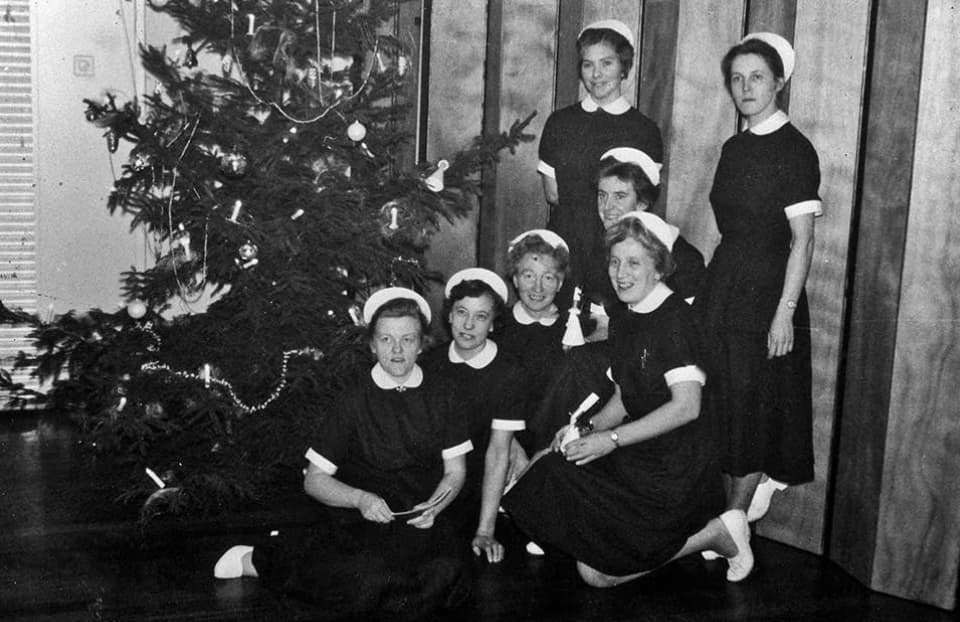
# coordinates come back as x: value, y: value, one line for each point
x: 276, y: 184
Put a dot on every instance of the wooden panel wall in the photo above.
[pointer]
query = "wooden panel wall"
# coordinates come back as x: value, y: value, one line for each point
x: 875, y: 297
x: 920, y: 512
x: 703, y: 116
x: 826, y: 105
x: 527, y: 65
x: 458, y: 41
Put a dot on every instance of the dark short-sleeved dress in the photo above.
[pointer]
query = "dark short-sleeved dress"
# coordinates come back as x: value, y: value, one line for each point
x: 538, y: 344
x: 489, y: 396
x: 763, y: 406
x: 571, y: 144
x: 633, y: 509
x: 390, y: 442
x: 583, y: 370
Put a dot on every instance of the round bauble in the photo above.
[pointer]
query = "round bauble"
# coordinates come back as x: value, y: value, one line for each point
x: 234, y: 164
x: 247, y: 251
x: 356, y: 131
x: 136, y: 309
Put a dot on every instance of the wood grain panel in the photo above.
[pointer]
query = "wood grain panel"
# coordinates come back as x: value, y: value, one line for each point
x: 458, y: 42
x: 628, y: 12
x: 703, y: 115
x: 919, y: 543
x: 881, y: 230
x: 658, y: 59
x: 528, y: 54
x: 569, y: 23
x: 779, y: 16
x: 830, y: 39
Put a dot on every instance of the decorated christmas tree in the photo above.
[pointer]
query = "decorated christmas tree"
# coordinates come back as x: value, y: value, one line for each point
x: 275, y: 184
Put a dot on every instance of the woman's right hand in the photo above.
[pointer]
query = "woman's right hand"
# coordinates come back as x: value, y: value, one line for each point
x: 374, y: 508
x: 558, y: 438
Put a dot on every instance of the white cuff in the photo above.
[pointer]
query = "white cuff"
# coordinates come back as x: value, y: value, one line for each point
x: 320, y: 462
x: 804, y: 207
x: 685, y: 374
x: 508, y: 424
x: 689, y: 300
x: 457, y: 450
x: 545, y: 169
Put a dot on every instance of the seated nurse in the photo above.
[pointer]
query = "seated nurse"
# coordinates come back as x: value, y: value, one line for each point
x: 489, y: 398
x: 639, y: 486
x: 384, y: 465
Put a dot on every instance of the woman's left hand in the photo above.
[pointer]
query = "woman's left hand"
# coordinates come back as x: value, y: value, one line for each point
x: 588, y: 448
x: 780, y: 337
x: 425, y: 520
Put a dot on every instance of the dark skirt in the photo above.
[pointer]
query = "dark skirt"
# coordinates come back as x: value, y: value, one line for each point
x: 624, y: 513
x: 363, y: 570
x: 762, y: 407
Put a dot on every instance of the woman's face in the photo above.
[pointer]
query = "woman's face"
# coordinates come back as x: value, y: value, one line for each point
x: 470, y: 323
x: 396, y: 344
x: 537, y: 281
x: 753, y: 87
x: 601, y: 72
x: 631, y: 271
x: 616, y: 197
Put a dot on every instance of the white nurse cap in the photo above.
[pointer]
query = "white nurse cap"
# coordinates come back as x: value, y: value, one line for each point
x: 629, y: 155
x: 610, y: 24
x: 385, y: 295
x: 783, y: 48
x: 664, y: 231
x: 550, y: 237
x: 478, y: 274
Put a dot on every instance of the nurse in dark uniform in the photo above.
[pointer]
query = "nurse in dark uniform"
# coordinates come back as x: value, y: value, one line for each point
x: 638, y: 487
x: 489, y: 399
x: 754, y: 310
x: 384, y: 466
x: 574, y: 138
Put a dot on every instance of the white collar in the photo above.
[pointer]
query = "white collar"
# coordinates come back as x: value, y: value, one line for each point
x: 482, y: 358
x: 617, y: 106
x: 385, y: 381
x: 771, y: 124
x: 653, y: 300
x: 522, y: 316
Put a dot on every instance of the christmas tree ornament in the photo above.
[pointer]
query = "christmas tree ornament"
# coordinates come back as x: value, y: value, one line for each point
x: 390, y: 215
x: 247, y: 251
x: 297, y: 214
x: 356, y: 131
x: 260, y: 113
x: 573, y: 335
x: 141, y: 159
x: 113, y: 140
x: 251, y: 24
x: 434, y: 181
x: 136, y: 309
x: 235, y: 210
x: 234, y: 164
x: 313, y: 77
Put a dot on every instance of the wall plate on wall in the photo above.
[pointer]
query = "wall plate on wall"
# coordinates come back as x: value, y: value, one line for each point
x: 83, y: 65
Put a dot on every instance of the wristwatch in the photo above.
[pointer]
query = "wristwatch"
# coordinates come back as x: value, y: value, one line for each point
x: 615, y: 438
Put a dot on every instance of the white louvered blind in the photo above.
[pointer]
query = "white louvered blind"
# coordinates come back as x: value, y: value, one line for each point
x: 18, y: 266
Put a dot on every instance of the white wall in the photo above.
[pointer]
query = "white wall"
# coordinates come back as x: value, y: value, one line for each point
x: 82, y: 249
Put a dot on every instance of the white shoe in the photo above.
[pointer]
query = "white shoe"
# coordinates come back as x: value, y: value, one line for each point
x: 761, y: 498
x: 534, y: 549
x: 741, y: 564
x: 230, y: 564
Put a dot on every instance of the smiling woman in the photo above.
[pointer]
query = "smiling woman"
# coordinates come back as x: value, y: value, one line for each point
x: 574, y: 138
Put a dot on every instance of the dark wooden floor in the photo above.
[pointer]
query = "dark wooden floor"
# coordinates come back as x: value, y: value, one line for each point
x: 67, y: 552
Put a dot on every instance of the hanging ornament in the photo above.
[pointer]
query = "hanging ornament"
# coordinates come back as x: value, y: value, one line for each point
x: 313, y: 77
x: 260, y: 113
x: 247, y: 251
x: 113, y: 140
x: 390, y: 216
x: 434, y: 181
x: 234, y: 164
x: 189, y: 57
x: 356, y: 131
x: 141, y: 159
x: 226, y: 65
x: 251, y: 24
x: 136, y: 309
x: 181, y: 240
x: 235, y: 210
